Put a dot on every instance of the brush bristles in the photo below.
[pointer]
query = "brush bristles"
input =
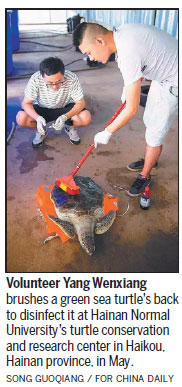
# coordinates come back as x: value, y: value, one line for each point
x: 71, y: 190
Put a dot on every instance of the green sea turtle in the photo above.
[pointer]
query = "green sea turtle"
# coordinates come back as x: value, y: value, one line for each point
x: 83, y: 213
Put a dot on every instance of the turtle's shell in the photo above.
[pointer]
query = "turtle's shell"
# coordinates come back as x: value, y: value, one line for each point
x: 91, y: 196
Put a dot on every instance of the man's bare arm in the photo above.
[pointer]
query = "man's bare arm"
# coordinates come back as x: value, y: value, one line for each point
x: 77, y: 108
x: 27, y: 105
x: 132, y: 93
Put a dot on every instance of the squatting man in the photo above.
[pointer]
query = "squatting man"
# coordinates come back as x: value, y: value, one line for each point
x: 142, y: 51
x: 53, y: 97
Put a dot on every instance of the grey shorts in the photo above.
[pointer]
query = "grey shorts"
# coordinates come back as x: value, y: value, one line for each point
x: 160, y: 111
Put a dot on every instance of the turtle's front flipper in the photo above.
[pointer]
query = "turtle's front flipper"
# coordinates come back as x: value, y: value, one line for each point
x: 65, y: 226
x: 106, y: 222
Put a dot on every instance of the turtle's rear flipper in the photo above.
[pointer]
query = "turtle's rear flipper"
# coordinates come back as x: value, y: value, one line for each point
x: 106, y: 222
x: 65, y: 226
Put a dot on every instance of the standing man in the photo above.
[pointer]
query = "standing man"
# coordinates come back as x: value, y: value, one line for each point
x: 53, y: 94
x: 142, y: 51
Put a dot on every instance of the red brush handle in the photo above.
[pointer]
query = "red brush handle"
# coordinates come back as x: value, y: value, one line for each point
x: 116, y: 113
x: 93, y: 146
x: 83, y: 159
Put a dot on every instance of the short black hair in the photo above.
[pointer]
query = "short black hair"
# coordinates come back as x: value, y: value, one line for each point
x: 78, y: 33
x: 94, y: 29
x: 51, y: 65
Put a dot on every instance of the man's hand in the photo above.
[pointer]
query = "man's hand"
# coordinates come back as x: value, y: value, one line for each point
x: 59, y: 123
x: 41, y: 122
x: 102, y: 137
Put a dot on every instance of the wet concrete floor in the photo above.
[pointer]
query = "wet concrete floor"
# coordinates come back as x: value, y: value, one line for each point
x: 139, y: 241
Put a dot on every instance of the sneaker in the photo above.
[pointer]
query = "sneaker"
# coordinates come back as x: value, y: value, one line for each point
x: 138, y: 165
x: 139, y: 185
x: 39, y: 140
x: 73, y: 135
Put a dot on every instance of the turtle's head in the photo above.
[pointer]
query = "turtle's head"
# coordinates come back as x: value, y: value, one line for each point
x: 84, y: 226
x: 87, y: 242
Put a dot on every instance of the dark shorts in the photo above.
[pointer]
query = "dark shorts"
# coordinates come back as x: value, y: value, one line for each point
x: 53, y: 114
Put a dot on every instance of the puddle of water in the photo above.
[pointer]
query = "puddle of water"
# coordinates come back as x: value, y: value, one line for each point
x: 107, y: 153
x: 30, y: 156
x: 10, y: 197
